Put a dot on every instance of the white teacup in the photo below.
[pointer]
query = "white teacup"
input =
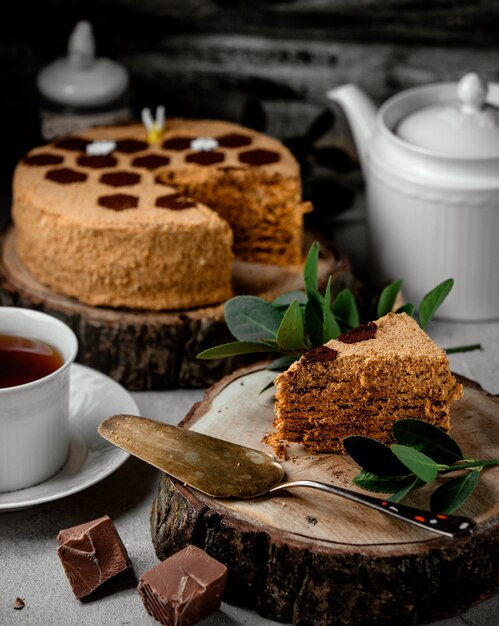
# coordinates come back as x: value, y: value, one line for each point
x: 34, y: 426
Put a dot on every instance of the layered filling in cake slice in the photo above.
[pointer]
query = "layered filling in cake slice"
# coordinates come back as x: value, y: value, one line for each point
x: 363, y: 382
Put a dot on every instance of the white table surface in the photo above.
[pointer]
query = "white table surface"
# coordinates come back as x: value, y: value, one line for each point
x: 29, y: 566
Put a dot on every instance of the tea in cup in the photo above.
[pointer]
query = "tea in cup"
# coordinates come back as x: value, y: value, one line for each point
x: 36, y: 351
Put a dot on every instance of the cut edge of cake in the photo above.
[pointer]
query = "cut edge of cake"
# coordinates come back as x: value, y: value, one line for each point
x: 361, y: 383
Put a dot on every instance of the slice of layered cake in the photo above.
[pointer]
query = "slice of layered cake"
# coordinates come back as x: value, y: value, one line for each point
x: 363, y: 382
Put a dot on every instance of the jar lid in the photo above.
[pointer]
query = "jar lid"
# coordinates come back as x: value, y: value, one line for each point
x: 464, y: 127
x: 81, y: 79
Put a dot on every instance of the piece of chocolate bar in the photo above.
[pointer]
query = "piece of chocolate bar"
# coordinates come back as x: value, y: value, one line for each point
x: 91, y: 553
x: 184, y: 588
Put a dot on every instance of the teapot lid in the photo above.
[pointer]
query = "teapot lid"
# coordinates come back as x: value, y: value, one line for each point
x: 464, y: 127
x: 80, y: 79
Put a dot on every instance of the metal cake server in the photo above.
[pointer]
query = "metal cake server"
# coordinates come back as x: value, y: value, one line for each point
x: 222, y: 469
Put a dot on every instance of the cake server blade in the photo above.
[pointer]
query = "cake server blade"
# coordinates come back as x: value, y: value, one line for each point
x: 218, y: 468
x: 222, y: 469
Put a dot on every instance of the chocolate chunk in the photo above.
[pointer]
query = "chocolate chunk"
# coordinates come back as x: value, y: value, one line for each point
x: 177, y: 143
x: 183, y: 589
x: 66, y: 176
x: 43, y: 158
x: 174, y: 201
x: 259, y: 157
x: 19, y: 604
x: 91, y: 553
x: 320, y: 354
x: 120, y: 179
x: 73, y: 144
x: 234, y: 140
x: 129, y: 146
x: 151, y: 161
x: 205, y: 158
x: 361, y: 333
x: 97, y: 161
x: 119, y: 202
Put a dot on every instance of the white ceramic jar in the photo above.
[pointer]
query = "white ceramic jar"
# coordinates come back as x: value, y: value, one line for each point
x: 430, y: 157
x: 82, y: 90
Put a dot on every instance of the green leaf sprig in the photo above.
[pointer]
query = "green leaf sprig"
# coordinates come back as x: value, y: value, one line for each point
x: 423, y: 454
x: 297, y: 321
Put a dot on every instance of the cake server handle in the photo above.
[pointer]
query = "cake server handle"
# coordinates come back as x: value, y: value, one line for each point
x: 448, y: 525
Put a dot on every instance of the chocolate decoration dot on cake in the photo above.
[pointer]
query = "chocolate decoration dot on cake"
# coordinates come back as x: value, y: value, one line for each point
x: 231, y: 168
x: 321, y: 354
x: 65, y: 176
x: 43, y: 158
x: 234, y: 140
x: 151, y: 161
x: 177, y: 143
x: 174, y: 201
x: 184, y: 588
x: 73, y: 144
x: 259, y: 156
x: 129, y: 146
x: 118, y: 202
x: 91, y: 553
x: 361, y: 333
x: 120, y: 179
x: 97, y: 161
x: 205, y: 158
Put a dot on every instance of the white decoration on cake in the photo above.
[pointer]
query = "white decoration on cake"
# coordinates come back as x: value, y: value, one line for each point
x: 204, y: 144
x: 154, y: 126
x: 100, y: 148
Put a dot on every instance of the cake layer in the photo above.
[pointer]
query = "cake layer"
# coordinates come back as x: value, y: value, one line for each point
x: 364, y: 382
x: 252, y: 180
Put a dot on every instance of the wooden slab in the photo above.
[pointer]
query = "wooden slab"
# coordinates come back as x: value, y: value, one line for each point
x: 313, y: 558
x: 146, y: 350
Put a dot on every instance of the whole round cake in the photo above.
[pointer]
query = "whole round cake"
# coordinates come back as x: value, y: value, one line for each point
x: 109, y: 219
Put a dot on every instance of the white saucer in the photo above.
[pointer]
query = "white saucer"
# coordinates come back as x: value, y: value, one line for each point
x: 93, y: 397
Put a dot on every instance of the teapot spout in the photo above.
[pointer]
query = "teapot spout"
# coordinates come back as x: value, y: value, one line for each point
x: 361, y: 115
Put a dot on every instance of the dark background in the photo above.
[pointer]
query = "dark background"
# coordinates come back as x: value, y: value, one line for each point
x: 264, y: 63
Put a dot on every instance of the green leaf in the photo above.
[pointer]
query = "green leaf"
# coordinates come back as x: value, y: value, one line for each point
x: 406, y: 308
x: 412, y: 483
x: 313, y: 322
x: 420, y: 464
x: 432, y: 300
x: 310, y: 269
x: 252, y: 319
x: 291, y: 334
x: 234, y: 348
x: 382, y: 484
x: 345, y: 308
x: 467, y: 348
x: 453, y: 493
x: 285, y: 299
x: 373, y: 456
x: 387, y: 298
x: 330, y: 327
x: 428, y: 439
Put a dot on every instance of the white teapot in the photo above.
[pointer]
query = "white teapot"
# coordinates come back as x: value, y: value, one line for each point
x: 430, y: 159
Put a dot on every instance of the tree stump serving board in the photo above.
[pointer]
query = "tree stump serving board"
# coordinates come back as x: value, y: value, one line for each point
x: 146, y: 350
x: 312, y: 558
